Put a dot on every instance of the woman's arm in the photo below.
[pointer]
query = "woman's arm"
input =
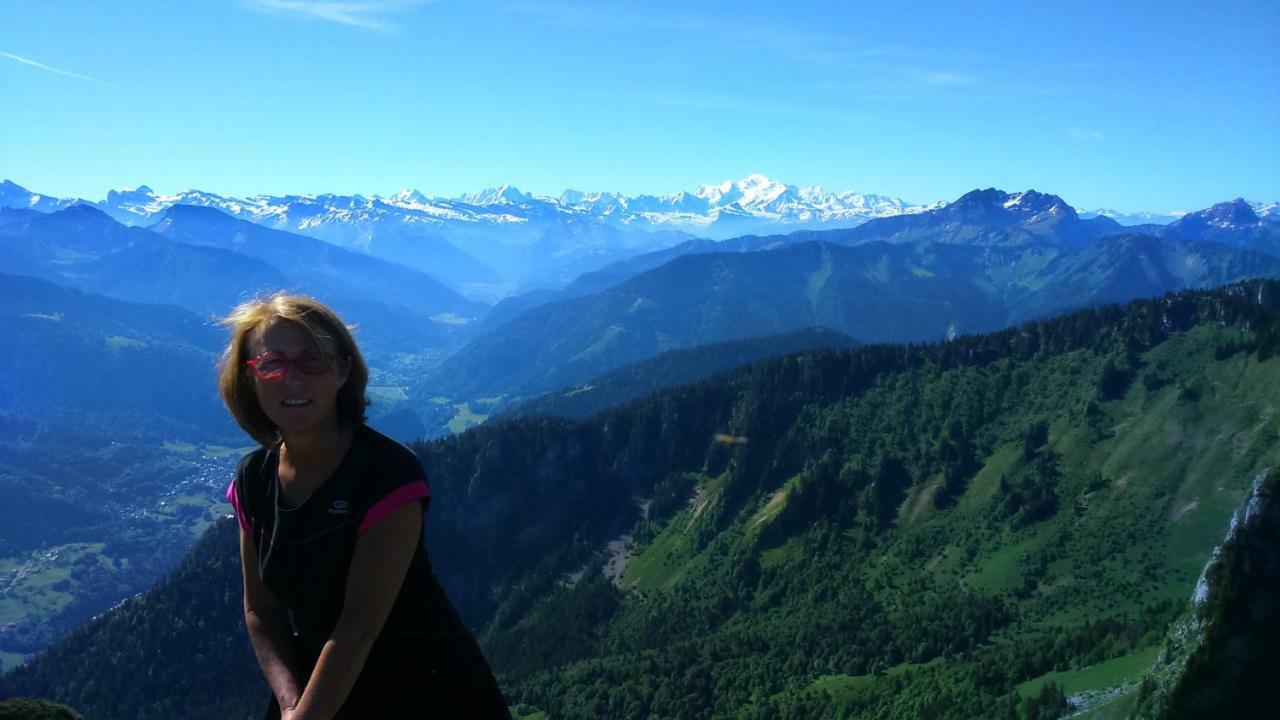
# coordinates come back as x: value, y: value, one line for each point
x: 378, y: 568
x: 267, y: 620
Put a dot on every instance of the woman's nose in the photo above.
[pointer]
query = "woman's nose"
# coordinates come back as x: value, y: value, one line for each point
x: 293, y: 374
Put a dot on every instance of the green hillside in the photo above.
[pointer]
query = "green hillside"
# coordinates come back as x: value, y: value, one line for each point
x: 799, y: 594
x: 1001, y: 526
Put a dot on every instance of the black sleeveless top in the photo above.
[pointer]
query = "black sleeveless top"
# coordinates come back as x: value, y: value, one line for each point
x: 304, y: 552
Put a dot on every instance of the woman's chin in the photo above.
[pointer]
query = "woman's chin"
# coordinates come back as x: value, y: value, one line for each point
x: 291, y: 420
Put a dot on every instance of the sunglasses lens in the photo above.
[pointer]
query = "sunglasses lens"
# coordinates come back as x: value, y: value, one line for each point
x: 313, y: 364
x: 272, y: 368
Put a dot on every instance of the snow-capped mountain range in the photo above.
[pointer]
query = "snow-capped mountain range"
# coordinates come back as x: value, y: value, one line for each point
x: 703, y: 211
x: 490, y: 243
x: 696, y: 212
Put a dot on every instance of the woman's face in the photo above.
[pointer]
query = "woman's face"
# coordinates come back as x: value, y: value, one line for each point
x: 297, y: 401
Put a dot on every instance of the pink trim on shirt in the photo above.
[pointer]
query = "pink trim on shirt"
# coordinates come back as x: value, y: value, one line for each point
x: 234, y: 497
x: 394, y: 500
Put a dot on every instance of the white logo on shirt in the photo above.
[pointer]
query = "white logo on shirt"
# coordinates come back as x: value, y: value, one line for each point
x: 339, y: 507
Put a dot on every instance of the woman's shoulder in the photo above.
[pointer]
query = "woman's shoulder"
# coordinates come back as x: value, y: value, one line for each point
x: 252, y: 459
x: 386, y: 451
x: 252, y: 467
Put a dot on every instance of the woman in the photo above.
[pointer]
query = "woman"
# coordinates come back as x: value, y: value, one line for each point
x: 342, y: 608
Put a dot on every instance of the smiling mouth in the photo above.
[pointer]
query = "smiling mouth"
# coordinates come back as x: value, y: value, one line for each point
x: 295, y: 402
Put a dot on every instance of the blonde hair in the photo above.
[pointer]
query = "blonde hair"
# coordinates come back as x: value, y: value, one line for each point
x: 235, y: 379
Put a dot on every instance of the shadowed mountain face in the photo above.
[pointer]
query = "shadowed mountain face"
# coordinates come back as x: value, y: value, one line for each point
x: 989, y: 218
x: 874, y: 292
x: 669, y: 369
x: 208, y: 262
x: 400, y: 310
x: 80, y: 359
x: 1221, y: 659
x: 318, y: 266
x: 1120, y: 268
x: 881, y: 293
x: 1232, y: 223
x: 83, y: 248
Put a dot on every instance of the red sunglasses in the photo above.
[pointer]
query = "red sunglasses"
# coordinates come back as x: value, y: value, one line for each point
x: 272, y: 366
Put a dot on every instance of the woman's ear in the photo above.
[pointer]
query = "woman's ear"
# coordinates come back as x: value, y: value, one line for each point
x: 344, y: 371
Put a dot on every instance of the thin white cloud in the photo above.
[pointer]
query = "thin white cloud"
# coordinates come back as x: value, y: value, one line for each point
x: 1084, y: 134
x: 367, y: 14
x: 835, y: 55
x: 942, y: 78
x: 47, y: 68
x: 726, y: 103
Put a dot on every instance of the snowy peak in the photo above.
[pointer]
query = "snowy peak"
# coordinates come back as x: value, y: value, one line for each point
x: 13, y: 195
x: 408, y: 197
x: 1266, y: 211
x: 501, y: 195
x: 1027, y: 206
x: 1136, y: 218
x: 753, y: 191
x: 1234, y: 214
x: 758, y: 195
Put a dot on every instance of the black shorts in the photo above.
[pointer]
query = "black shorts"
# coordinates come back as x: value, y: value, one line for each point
x: 442, y: 676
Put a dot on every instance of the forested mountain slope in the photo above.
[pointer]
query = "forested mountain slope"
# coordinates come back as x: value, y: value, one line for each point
x: 965, y: 520
x: 988, y: 527
x: 178, y: 651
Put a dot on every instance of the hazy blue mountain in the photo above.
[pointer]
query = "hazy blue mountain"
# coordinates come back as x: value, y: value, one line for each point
x: 616, y: 272
x: 83, y: 248
x: 86, y: 360
x: 318, y: 266
x: 990, y: 218
x: 879, y: 292
x: 1131, y: 219
x: 676, y: 367
x: 399, y: 310
x: 13, y: 195
x: 876, y: 292
x: 1119, y: 268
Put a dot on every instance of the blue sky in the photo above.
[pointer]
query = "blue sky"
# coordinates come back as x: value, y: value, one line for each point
x: 1135, y: 105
